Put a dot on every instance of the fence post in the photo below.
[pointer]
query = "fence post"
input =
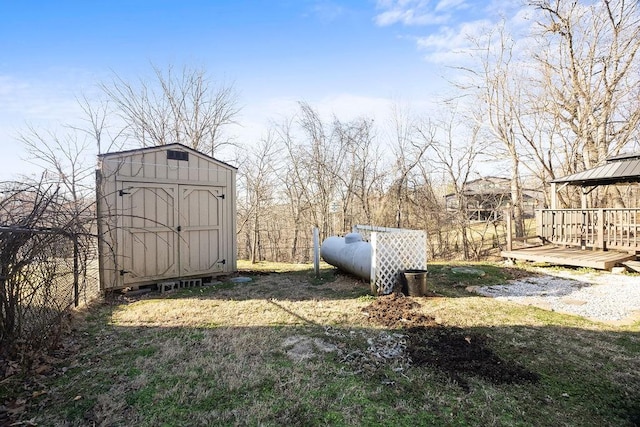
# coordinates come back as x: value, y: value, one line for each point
x: 76, y: 272
x: 316, y: 251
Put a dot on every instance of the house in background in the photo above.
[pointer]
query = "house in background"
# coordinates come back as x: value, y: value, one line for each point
x: 486, y: 199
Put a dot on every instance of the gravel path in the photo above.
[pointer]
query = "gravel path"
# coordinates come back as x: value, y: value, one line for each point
x: 598, y: 296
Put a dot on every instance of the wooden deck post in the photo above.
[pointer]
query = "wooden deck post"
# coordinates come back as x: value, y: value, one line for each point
x: 539, y: 226
x: 554, y: 196
x: 600, y: 230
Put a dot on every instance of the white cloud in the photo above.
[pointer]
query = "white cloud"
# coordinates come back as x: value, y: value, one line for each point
x: 452, y: 44
x: 411, y: 13
x: 418, y: 12
x: 453, y: 24
x: 451, y: 4
x: 409, y: 17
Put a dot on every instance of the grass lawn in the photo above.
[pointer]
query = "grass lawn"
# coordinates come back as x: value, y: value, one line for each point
x: 291, y: 349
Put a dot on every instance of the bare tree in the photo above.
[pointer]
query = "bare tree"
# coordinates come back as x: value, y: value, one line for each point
x: 185, y: 107
x: 260, y: 178
x: 360, y: 173
x: 590, y: 74
x: 42, y: 264
x: 427, y: 197
x: 409, y: 147
x: 455, y: 157
x: 64, y: 158
x: 320, y: 158
x: 503, y: 107
x: 294, y: 179
x: 329, y: 173
x: 67, y: 163
x: 590, y: 68
x: 97, y: 126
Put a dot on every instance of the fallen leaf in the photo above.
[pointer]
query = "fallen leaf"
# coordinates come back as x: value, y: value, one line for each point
x: 78, y: 397
x: 39, y: 393
x: 42, y: 369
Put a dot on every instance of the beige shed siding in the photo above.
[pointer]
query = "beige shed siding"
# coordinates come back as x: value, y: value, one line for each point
x: 201, y: 209
x: 162, y: 219
x: 147, y: 222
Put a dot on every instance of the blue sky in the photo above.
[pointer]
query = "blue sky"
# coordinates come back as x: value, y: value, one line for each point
x: 347, y: 57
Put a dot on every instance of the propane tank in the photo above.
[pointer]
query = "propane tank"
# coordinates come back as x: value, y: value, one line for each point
x: 348, y: 253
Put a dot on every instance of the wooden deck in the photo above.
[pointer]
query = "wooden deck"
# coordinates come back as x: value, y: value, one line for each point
x: 574, y: 256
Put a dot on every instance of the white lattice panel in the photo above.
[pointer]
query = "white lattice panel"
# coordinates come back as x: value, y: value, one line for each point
x: 366, y: 230
x: 393, y: 251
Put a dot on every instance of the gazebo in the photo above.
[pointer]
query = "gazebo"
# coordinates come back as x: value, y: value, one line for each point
x: 587, y: 237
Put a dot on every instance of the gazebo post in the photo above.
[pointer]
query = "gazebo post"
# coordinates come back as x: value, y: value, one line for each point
x: 554, y: 196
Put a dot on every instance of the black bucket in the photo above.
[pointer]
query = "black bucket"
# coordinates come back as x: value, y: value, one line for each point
x: 416, y: 282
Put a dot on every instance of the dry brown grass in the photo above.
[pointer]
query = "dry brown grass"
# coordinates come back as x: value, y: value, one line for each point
x: 269, y: 300
x: 292, y: 349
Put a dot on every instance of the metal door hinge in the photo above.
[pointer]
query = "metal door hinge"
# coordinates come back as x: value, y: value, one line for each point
x: 221, y: 196
x: 123, y: 272
x: 122, y: 192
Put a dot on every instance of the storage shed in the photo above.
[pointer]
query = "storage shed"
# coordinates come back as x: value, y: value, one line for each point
x: 164, y: 213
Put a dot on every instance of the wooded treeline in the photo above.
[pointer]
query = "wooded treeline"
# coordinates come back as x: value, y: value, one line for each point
x: 527, y: 102
x: 555, y: 101
x: 334, y: 174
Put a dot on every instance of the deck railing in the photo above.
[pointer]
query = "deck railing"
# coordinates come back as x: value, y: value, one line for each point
x: 591, y: 228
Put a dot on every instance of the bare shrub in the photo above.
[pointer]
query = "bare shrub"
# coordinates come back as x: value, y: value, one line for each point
x: 45, y: 249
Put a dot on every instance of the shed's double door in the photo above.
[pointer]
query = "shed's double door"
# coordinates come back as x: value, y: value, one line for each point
x: 169, y: 230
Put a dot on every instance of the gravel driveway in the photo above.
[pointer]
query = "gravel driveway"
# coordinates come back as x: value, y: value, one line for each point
x: 599, y: 296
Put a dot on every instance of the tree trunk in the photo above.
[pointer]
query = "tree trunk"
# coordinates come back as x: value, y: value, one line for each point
x: 516, y: 196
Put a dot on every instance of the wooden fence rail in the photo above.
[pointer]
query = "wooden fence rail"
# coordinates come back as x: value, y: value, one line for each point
x: 591, y: 228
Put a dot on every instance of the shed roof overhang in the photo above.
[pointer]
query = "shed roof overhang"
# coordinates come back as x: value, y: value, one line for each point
x: 619, y: 169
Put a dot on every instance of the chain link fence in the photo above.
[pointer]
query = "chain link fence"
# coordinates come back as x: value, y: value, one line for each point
x: 47, y: 265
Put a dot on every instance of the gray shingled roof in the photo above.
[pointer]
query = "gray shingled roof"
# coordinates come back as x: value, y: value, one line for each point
x: 619, y: 169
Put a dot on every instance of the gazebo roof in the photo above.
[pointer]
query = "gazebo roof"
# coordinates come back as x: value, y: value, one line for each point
x: 624, y: 168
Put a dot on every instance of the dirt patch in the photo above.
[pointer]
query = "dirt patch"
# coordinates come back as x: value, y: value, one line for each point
x: 458, y: 353
x: 397, y: 311
x: 300, y: 348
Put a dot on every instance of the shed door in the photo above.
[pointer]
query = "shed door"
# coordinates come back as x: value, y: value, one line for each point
x: 169, y: 231
x: 147, y: 223
x: 200, y: 215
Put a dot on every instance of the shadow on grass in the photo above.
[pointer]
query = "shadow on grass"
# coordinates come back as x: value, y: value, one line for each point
x: 416, y: 375
x: 396, y: 365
